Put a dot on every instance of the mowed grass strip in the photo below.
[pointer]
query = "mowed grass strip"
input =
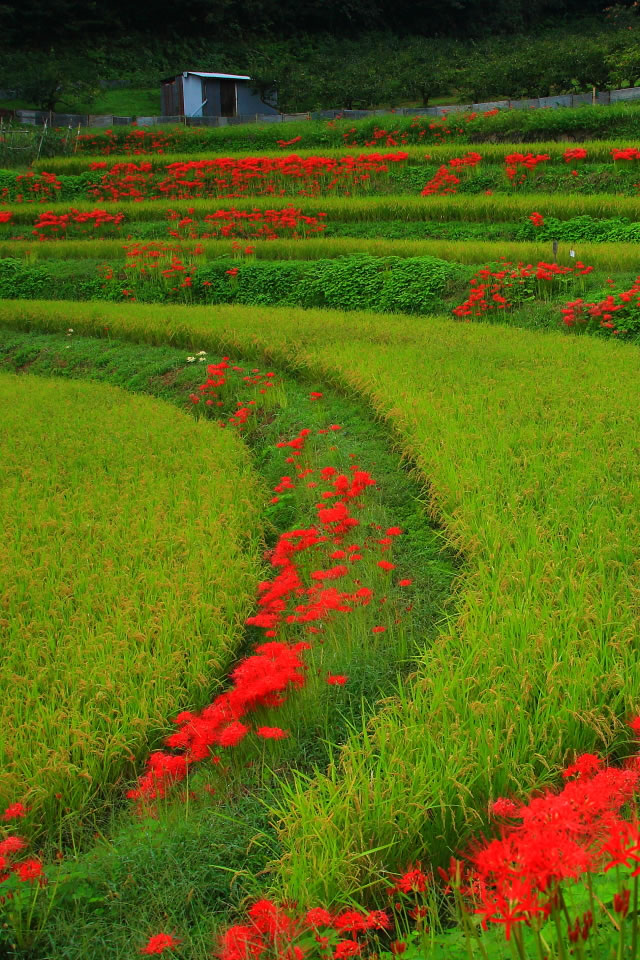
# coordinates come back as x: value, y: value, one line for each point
x: 128, y: 563
x: 529, y: 443
x: 498, y: 207
x: 598, y: 151
x: 612, y: 257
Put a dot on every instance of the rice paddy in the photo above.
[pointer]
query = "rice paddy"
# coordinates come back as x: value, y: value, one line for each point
x: 145, y: 521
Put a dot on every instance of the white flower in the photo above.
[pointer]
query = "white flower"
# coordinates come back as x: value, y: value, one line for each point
x: 201, y: 353
x: 191, y: 359
x: 202, y: 359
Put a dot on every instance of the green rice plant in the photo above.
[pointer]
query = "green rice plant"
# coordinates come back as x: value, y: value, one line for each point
x: 129, y: 553
x: 528, y: 443
x: 599, y: 151
x: 480, y: 208
x: 613, y: 257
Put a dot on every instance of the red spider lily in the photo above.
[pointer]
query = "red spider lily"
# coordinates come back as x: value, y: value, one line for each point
x: 28, y: 870
x: 318, y: 917
x: 347, y: 948
x: 536, y: 219
x: 272, y: 733
x: 160, y: 942
x: 586, y: 765
x: 440, y: 184
x: 487, y: 285
x: 337, y: 680
x: 504, y: 808
x: 14, y: 812
x: 412, y: 881
x: 579, y: 312
x: 573, y: 154
x: 626, y: 153
x: 12, y: 845
x: 241, y: 942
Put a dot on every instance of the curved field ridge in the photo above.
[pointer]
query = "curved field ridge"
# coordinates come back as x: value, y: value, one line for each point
x: 128, y: 560
x: 529, y: 442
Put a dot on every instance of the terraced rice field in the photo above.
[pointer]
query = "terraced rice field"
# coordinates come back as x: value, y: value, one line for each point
x: 356, y: 581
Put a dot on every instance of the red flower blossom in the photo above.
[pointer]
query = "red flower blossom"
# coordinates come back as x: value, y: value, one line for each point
x: 12, y: 845
x: 318, y: 917
x: 160, y: 942
x: 347, y: 948
x: 14, y: 812
x: 272, y: 733
x: 337, y: 680
x: 28, y: 870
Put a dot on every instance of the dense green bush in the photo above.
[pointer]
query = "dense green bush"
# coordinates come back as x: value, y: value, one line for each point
x: 416, y: 285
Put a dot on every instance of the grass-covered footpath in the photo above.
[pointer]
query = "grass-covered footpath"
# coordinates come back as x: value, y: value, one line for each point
x: 424, y: 606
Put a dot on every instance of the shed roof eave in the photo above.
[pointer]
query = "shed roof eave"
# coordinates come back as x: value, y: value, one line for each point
x: 221, y: 76
x: 198, y: 73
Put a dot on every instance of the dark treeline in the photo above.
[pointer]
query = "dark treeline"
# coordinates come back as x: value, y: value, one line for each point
x: 32, y: 23
x: 346, y: 54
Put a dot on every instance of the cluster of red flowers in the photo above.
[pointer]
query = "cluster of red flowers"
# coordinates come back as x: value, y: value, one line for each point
x: 256, y: 224
x: 420, y: 128
x: 380, y: 138
x: 536, y: 219
x: 626, y: 153
x: 153, y: 265
x: 160, y: 942
x: 27, y: 870
x: 32, y: 188
x: 5, y: 217
x: 212, y: 390
x: 281, y: 931
x: 554, y: 838
x: 272, y: 930
x: 444, y: 181
x: 137, y: 141
x: 238, y: 176
x: 524, y: 162
x: 573, y: 154
x: 293, y: 596
x: 488, y: 287
x: 602, y: 314
x: 50, y: 224
x: 561, y: 836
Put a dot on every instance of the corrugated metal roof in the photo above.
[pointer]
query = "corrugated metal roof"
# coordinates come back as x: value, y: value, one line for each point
x: 222, y: 76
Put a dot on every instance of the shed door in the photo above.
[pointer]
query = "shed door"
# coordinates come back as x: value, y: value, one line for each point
x: 228, y: 98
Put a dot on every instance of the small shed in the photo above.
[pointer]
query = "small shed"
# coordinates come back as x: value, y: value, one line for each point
x: 196, y: 94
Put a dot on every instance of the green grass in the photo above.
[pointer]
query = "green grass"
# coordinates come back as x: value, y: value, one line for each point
x: 129, y: 567
x: 528, y: 442
x: 119, y: 101
x: 508, y: 126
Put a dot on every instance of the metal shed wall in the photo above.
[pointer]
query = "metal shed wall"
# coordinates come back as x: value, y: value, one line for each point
x: 250, y: 102
x: 192, y: 87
